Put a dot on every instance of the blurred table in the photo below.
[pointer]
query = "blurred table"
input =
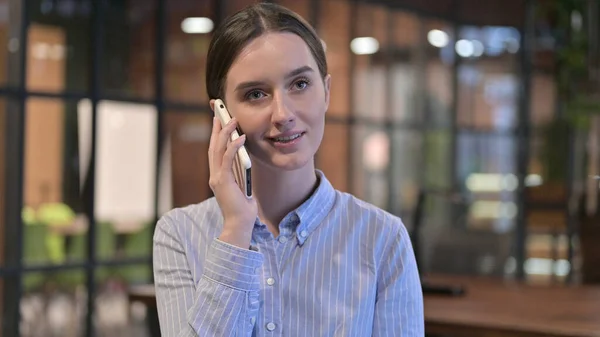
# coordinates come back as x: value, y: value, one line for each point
x: 495, y: 308
x: 145, y: 294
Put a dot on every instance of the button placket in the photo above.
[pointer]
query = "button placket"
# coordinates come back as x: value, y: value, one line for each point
x: 271, y: 308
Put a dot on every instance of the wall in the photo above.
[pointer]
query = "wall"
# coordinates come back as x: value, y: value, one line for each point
x: 44, y: 126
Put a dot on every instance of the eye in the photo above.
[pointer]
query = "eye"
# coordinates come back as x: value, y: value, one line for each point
x: 254, y: 95
x: 301, y: 84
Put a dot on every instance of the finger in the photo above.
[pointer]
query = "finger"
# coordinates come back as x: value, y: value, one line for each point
x: 231, y: 152
x: 214, y: 136
x: 223, y: 140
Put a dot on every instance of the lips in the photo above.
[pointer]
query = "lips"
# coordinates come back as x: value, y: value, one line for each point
x: 285, y: 138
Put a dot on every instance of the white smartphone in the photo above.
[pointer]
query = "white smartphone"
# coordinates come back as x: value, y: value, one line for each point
x: 241, y: 162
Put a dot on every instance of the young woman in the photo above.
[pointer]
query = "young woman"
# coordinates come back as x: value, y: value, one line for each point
x: 299, y: 258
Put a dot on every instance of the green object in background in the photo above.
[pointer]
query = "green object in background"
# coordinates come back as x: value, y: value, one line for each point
x: 56, y: 214
x: 28, y: 216
x: 55, y: 244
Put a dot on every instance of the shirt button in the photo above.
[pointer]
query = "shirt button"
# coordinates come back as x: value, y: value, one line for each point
x: 304, y: 233
x: 282, y: 239
x: 270, y: 281
x: 271, y: 326
x: 253, y: 320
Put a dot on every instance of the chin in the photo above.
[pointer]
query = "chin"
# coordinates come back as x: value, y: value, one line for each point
x: 287, y: 162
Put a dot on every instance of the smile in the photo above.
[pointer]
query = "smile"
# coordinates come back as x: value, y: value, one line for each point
x: 287, y: 143
x: 288, y: 138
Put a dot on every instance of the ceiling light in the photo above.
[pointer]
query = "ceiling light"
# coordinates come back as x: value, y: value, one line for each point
x: 438, y: 38
x: 464, y: 48
x: 364, y: 45
x: 478, y: 48
x: 197, y: 25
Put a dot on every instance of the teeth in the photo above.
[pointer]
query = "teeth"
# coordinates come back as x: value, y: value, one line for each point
x: 287, y: 139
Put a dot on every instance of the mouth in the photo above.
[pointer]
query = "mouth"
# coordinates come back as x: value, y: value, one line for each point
x: 287, y: 139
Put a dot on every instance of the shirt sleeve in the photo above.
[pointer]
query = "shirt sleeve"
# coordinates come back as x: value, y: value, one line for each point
x: 399, y: 303
x: 222, y: 303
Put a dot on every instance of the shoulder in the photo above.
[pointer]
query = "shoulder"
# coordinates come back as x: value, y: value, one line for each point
x: 367, y: 211
x: 368, y: 215
x: 184, y: 221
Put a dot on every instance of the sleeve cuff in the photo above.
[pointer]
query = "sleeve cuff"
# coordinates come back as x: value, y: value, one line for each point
x: 233, y: 266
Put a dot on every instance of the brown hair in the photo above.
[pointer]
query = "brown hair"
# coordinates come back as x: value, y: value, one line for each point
x: 248, y: 24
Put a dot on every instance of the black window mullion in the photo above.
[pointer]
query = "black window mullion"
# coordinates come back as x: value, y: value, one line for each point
x: 159, y: 70
x: 523, y: 133
x: 351, y: 122
x: 13, y: 225
x: 96, y: 53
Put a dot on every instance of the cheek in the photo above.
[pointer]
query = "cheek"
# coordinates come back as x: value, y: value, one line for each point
x: 248, y: 120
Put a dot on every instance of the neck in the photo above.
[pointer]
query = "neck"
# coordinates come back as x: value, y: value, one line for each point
x: 278, y: 192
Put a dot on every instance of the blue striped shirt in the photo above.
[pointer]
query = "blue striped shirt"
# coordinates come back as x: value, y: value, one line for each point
x: 339, y: 267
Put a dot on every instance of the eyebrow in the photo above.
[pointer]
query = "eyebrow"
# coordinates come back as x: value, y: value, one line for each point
x: 295, y: 72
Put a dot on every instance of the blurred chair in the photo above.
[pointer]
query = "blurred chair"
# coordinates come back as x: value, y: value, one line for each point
x: 138, y: 244
x: 471, y: 252
x: 454, y: 248
x: 35, y: 252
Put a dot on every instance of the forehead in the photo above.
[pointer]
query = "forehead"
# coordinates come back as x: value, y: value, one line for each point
x: 270, y: 56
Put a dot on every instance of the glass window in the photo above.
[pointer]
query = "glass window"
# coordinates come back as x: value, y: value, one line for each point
x: 423, y: 74
x: 370, y: 91
x: 438, y: 159
x: 543, y: 98
x: 302, y: 7
x: 5, y: 319
x: 472, y: 233
x: 125, y: 171
x: 184, y: 167
x: 406, y: 101
x: 10, y: 57
x: 3, y: 161
x: 115, y: 314
x: 332, y: 156
x: 487, y: 97
x: 439, y: 94
x: 58, y: 45
x: 488, y: 84
x: 55, y: 226
x: 486, y: 169
x: 334, y: 30
x: 233, y: 6
x: 370, y: 162
x: 405, y: 29
x: 440, y: 57
x: 9, y: 305
x: 129, y: 48
x: 188, y: 35
x: 9, y: 231
x: 407, y: 164
x: 53, y: 304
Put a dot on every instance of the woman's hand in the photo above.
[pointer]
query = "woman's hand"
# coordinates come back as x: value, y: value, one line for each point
x: 239, y: 212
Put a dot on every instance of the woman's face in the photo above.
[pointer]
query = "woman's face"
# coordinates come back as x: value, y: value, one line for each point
x: 275, y: 91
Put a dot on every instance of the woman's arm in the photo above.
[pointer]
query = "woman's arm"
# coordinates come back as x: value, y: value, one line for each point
x: 222, y: 303
x: 399, y: 304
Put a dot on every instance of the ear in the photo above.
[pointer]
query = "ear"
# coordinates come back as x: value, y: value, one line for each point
x: 327, y: 84
x: 212, y: 104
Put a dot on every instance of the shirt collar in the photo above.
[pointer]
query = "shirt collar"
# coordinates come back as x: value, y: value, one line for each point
x: 312, y: 212
x: 307, y: 217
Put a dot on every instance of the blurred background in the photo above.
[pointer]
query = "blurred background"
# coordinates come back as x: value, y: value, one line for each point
x: 475, y: 121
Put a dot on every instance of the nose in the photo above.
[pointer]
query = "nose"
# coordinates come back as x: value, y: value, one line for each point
x: 283, y: 114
